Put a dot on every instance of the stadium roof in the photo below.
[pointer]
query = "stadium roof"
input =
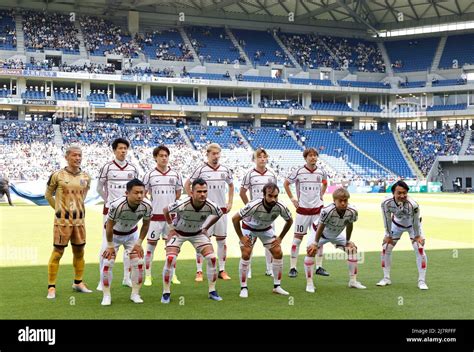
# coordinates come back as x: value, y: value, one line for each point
x: 360, y: 14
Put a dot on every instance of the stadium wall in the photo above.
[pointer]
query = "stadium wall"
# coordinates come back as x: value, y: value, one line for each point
x: 448, y: 168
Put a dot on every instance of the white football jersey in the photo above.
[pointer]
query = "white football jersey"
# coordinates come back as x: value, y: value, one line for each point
x: 216, y: 179
x: 256, y: 216
x: 188, y: 218
x: 405, y: 215
x: 308, y: 186
x: 126, y: 219
x: 335, y: 223
x: 113, y: 179
x: 162, y: 188
x: 255, y: 180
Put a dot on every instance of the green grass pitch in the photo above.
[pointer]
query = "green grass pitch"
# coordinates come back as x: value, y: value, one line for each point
x: 26, y: 243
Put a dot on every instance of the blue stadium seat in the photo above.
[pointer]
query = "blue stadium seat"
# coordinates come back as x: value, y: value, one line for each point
x: 270, y: 138
x: 413, y: 54
x: 389, y: 156
x: 213, y: 44
x: 460, y: 48
x: 261, y: 47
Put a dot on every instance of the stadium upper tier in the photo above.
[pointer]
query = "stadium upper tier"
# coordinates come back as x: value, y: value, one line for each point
x: 7, y: 30
x: 213, y: 44
x: 55, y: 31
x: 313, y: 51
x: 50, y: 31
x: 459, y: 49
x: 412, y: 55
x: 261, y: 47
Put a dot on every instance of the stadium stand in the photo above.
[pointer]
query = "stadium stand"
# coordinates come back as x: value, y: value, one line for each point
x: 447, y: 107
x: 224, y: 136
x: 7, y: 30
x: 269, y: 138
x: 261, y: 47
x: 232, y: 101
x: 311, y: 82
x: 166, y: 45
x: 370, y: 142
x: 369, y: 108
x: 425, y: 145
x: 50, y: 31
x: 212, y: 76
x: 412, y: 55
x: 361, y: 84
x: 103, y: 37
x: 157, y: 100
x: 330, y: 143
x: 213, y: 45
x: 280, y: 104
x: 459, y: 48
x: 330, y: 106
x: 314, y: 51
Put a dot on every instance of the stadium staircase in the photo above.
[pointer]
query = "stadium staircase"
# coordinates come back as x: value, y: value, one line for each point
x: 285, y: 160
x: 135, y: 161
x: 20, y: 35
x: 236, y: 44
x: 287, y: 52
x: 328, y: 49
x: 386, y: 59
x: 292, y: 135
x: 183, y: 134
x: 188, y: 43
x: 58, y: 136
x: 439, y: 53
x: 338, y: 166
x: 82, y: 47
x: 237, y: 156
x: 465, y: 142
x: 343, y: 136
x: 243, y: 139
x: 406, y: 154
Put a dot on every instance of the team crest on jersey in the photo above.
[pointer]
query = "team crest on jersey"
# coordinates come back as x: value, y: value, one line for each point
x: 203, y: 217
x: 270, y: 180
x: 223, y: 176
x: 172, y: 181
x: 83, y: 183
x: 130, y: 175
x: 274, y: 216
x: 140, y: 216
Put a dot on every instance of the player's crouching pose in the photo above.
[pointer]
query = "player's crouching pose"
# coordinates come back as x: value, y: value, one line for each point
x: 257, y: 219
x: 121, y: 229
x: 191, y: 214
x: 400, y: 214
x: 334, y: 218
